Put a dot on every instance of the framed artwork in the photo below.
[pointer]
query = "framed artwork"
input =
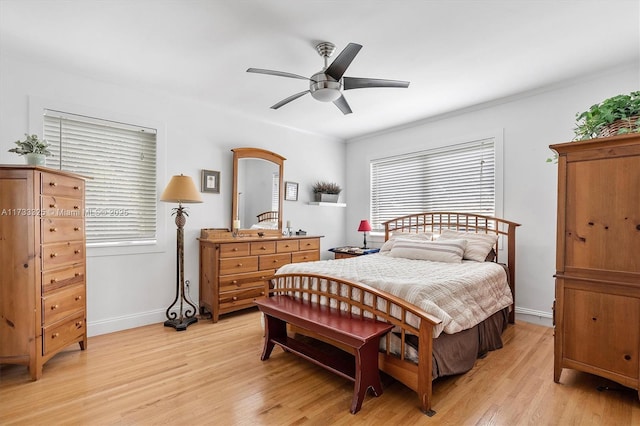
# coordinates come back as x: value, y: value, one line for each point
x: 291, y: 191
x: 210, y: 181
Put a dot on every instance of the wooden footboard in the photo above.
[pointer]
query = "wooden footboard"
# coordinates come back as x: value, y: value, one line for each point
x: 366, y: 301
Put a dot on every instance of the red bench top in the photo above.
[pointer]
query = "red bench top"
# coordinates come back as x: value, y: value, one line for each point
x: 345, y: 327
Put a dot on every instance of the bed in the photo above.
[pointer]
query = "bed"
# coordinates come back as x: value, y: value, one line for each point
x: 266, y: 220
x: 432, y: 336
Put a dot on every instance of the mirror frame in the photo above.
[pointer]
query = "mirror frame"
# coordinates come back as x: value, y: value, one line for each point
x: 240, y: 153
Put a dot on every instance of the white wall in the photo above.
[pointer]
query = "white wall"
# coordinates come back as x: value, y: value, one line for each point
x: 530, y: 123
x: 125, y: 291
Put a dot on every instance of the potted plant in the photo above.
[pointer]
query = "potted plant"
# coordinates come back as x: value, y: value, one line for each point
x: 327, y: 192
x: 613, y: 116
x: 34, y: 149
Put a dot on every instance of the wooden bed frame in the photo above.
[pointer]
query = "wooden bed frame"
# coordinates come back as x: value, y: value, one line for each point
x: 351, y: 296
x: 267, y: 216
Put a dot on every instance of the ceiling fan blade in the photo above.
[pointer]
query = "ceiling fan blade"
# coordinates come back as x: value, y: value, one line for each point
x: 343, y: 105
x: 361, y: 83
x: 278, y: 73
x: 342, y: 61
x: 289, y: 99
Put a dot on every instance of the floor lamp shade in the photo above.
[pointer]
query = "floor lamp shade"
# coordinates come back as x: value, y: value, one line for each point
x: 180, y: 189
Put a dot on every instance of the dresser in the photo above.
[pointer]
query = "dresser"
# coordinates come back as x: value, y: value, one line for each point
x: 42, y: 265
x: 597, y: 306
x: 234, y: 271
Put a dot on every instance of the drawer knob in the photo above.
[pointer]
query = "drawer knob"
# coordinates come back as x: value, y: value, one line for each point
x: 53, y: 229
x: 54, y: 307
x: 234, y: 282
x: 53, y: 184
x: 77, y: 274
x: 78, y: 324
x: 263, y: 248
x: 262, y: 293
x: 76, y: 187
x: 78, y: 298
x: 53, y: 206
x: 76, y: 228
x: 53, y: 254
x: 627, y: 357
x: 275, y: 260
x: 239, y: 265
x: 54, y: 335
x: 54, y: 280
x: 235, y: 249
x: 76, y: 252
x: 76, y: 207
x: 234, y: 298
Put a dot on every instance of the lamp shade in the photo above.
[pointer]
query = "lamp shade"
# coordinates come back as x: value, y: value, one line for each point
x: 181, y: 189
x: 365, y: 226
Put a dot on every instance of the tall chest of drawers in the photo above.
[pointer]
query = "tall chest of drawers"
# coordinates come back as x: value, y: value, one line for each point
x: 234, y: 271
x: 42, y: 265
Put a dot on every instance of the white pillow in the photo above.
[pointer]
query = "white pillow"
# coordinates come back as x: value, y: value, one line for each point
x: 449, y: 251
x: 424, y: 236
x: 478, y: 245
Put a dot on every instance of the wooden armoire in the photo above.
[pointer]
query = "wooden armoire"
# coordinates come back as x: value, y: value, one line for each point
x: 42, y: 265
x: 597, y: 306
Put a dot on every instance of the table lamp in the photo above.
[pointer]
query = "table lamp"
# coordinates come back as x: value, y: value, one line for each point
x: 364, y: 227
x: 181, y: 189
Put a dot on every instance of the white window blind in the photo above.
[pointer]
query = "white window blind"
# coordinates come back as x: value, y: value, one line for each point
x: 458, y: 178
x: 275, y: 192
x: 120, y: 160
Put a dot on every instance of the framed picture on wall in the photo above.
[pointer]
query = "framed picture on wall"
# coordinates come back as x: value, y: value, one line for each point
x: 210, y: 181
x: 291, y: 191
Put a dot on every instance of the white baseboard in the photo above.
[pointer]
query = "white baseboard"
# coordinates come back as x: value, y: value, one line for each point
x: 534, y: 317
x: 125, y: 322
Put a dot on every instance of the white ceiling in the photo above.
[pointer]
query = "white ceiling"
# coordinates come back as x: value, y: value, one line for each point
x: 455, y: 53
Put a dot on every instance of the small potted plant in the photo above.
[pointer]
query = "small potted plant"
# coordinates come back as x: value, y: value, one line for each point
x: 327, y: 192
x: 617, y: 115
x: 34, y: 150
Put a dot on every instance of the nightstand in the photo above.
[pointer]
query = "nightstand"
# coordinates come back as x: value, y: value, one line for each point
x: 348, y: 251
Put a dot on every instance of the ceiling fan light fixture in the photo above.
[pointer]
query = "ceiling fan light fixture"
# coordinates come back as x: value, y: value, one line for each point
x: 323, y: 88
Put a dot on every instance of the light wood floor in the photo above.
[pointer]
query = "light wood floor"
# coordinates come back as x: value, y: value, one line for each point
x: 212, y: 374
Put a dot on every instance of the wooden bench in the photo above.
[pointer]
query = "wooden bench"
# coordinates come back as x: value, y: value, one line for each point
x: 348, y: 329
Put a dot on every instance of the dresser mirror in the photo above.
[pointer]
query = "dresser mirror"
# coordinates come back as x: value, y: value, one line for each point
x: 257, y: 190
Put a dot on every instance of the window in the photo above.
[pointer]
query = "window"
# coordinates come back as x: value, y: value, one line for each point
x: 459, y: 178
x: 120, y: 160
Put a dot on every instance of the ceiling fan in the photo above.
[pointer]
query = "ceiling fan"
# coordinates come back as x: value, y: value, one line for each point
x: 325, y: 85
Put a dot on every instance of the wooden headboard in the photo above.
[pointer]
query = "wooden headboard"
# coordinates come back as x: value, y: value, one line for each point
x: 268, y: 216
x: 436, y: 222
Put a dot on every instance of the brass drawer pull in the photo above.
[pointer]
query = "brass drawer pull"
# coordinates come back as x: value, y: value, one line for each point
x: 54, y: 335
x: 53, y: 254
x: 54, y: 307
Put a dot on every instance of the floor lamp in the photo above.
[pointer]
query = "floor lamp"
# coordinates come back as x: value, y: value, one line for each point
x: 181, y: 189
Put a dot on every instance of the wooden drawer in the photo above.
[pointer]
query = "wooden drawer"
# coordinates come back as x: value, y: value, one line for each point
x: 305, y: 256
x: 60, y: 254
x: 63, y: 303
x: 237, y: 265
x: 244, y: 281
x: 62, y: 206
x: 53, y: 184
x: 56, y: 230
x: 274, y: 261
x: 310, y: 244
x: 267, y: 247
x: 235, y: 250
x: 287, y: 246
x: 59, y: 335
x: 63, y: 277
x: 234, y: 300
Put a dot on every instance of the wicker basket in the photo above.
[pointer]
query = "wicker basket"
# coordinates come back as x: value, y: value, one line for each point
x: 613, y: 128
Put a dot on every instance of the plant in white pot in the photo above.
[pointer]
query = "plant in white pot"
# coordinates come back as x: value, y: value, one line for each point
x: 34, y: 150
x: 327, y: 192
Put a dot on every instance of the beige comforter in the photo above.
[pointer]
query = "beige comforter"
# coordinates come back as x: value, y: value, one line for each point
x: 461, y: 295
